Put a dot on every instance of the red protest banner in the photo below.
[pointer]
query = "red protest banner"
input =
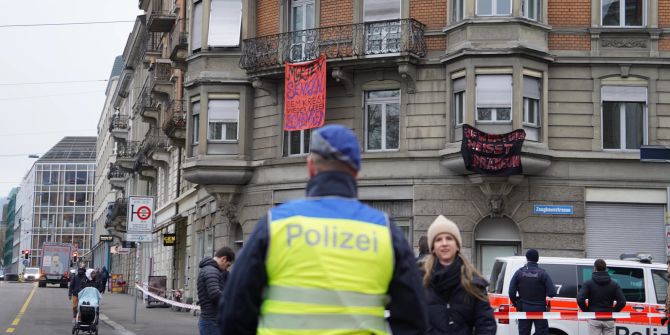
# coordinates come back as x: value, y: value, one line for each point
x: 305, y: 95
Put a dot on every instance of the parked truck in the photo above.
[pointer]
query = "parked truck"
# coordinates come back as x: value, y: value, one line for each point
x: 55, y: 265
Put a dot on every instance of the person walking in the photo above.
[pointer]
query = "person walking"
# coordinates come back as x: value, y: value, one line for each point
x: 534, y: 285
x: 104, y: 278
x: 424, y: 250
x: 601, y: 292
x: 76, y: 285
x: 328, y: 263
x: 457, y: 300
x: 211, y: 280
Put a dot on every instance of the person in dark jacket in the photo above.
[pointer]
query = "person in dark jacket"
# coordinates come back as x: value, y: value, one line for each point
x: 457, y: 299
x: 104, y: 278
x: 211, y: 280
x: 601, y: 292
x: 333, y: 165
x: 76, y: 285
x: 424, y: 250
x: 534, y: 285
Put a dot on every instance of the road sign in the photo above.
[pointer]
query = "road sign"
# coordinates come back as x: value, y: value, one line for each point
x: 26, y: 262
x: 140, y: 214
x: 106, y: 237
x: 142, y: 237
x: 553, y: 209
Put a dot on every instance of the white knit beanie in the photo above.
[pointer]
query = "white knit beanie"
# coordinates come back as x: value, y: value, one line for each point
x: 443, y: 225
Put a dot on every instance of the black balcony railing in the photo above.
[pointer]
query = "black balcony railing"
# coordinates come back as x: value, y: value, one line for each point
x: 404, y: 36
x: 127, y: 150
x: 175, y: 118
x: 161, y: 17
x: 118, y: 122
x: 116, y: 171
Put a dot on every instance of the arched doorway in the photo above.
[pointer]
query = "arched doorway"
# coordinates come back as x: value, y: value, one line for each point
x: 495, y: 237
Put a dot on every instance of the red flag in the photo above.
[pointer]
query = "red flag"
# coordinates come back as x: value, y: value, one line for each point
x: 305, y: 94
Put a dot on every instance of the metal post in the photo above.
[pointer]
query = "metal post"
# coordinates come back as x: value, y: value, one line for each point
x: 137, y: 264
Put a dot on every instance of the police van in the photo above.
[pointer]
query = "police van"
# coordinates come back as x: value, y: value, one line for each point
x: 644, y: 285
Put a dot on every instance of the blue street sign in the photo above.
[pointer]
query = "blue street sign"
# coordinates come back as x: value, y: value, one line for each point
x: 25, y: 262
x: 553, y: 209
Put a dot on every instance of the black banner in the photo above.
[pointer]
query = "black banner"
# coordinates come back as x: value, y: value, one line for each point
x: 169, y: 239
x: 492, y: 154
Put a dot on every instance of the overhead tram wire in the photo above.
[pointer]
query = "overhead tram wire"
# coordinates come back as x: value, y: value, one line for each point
x: 54, y: 82
x: 63, y: 24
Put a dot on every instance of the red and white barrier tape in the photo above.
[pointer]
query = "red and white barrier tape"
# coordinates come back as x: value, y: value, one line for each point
x: 574, y: 315
x: 167, y: 301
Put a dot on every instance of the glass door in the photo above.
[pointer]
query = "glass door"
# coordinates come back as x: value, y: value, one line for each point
x: 303, y: 35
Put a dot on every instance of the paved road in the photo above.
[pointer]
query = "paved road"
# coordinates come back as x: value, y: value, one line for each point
x: 48, y: 312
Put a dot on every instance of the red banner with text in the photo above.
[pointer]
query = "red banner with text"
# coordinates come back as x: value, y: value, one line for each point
x: 492, y: 154
x: 305, y: 95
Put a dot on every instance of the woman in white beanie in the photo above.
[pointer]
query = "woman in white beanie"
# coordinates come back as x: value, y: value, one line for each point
x: 456, y: 292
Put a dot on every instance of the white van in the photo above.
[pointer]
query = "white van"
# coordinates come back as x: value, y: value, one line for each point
x: 643, y: 284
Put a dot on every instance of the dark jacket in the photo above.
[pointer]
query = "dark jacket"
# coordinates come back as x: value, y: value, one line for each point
x: 210, y: 285
x: 76, y: 284
x: 601, y: 291
x: 91, y: 283
x: 460, y: 313
x: 534, y: 285
x: 244, y: 290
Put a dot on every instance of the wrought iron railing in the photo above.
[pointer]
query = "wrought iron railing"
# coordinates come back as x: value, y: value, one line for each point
x: 154, y: 142
x: 118, y: 122
x: 354, y: 40
x: 127, y: 150
x: 153, y: 43
x: 160, y: 74
x: 116, y: 171
x: 175, y: 118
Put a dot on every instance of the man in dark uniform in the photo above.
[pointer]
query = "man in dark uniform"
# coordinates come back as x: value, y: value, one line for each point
x: 533, y: 285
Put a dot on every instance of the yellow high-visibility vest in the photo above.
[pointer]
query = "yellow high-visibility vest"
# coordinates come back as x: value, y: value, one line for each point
x: 329, y: 265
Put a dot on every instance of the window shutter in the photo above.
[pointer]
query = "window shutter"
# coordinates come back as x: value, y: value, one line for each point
x: 531, y: 87
x: 494, y: 91
x: 624, y: 93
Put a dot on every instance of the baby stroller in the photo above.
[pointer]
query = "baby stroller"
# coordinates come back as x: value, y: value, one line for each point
x: 88, y: 309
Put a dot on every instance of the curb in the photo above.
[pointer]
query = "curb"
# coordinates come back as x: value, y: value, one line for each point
x: 119, y: 328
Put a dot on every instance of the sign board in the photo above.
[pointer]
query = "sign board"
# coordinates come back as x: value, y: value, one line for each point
x: 553, y: 210
x: 655, y: 154
x: 169, y: 240
x: 140, y: 214
x: 106, y: 238
x: 26, y: 262
x: 122, y: 251
x: 141, y: 237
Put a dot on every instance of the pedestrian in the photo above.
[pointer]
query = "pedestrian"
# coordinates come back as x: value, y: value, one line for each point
x: 601, y: 292
x: 104, y: 278
x: 92, y: 280
x: 327, y: 263
x: 76, y: 285
x: 211, y: 280
x: 423, y: 250
x: 534, y: 285
x: 457, y: 300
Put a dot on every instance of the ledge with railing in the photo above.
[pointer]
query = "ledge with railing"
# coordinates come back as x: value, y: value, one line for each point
x: 175, y: 118
x: 379, y: 38
x: 118, y: 122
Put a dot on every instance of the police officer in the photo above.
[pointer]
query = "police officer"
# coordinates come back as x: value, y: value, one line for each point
x: 534, y: 286
x: 325, y: 264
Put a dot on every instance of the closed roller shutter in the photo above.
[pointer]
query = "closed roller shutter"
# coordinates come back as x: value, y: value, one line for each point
x: 613, y: 229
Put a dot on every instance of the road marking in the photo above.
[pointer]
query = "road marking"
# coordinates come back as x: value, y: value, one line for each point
x: 119, y: 328
x: 17, y: 320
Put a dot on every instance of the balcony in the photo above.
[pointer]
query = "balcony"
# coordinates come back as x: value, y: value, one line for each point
x: 147, y: 106
x: 118, y: 127
x: 126, y: 154
x: 151, y: 48
x: 159, y: 77
x: 155, y: 148
x: 174, y: 125
x: 159, y: 17
x: 394, y: 38
x: 116, y: 215
x: 179, y: 47
x: 117, y: 176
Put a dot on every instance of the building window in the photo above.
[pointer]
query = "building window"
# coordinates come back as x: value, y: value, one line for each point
x: 459, y: 101
x: 382, y: 37
x: 457, y: 10
x: 223, y: 117
x: 296, y: 142
x: 531, y: 9
x: 196, y: 35
x: 382, y: 120
x: 531, y: 101
x: 301, y: 19
x: 494, y: 7
x: 623, y: 117
x: 195, y: 125
x: 225, y: 23
x: 494, y: 98
x: 632, y: 15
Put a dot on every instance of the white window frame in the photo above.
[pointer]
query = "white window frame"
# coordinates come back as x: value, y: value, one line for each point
x: 221, y: 35
x: 196, y: 35
x: 527, y: 99
x: 195, y: 117
x: 383, y: 102
x: 494, y: 115
x: 459, y: 102
x: 622, y: 117
x: 538, y: 10
x: 622, y: 15
x: 303, y: 138
x: 494, y: 8
x: 457, y: 10
x: 224, y: 121
x: 301, y: 41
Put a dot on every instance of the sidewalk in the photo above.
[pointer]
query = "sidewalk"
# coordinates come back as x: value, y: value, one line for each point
x: 116, y: 311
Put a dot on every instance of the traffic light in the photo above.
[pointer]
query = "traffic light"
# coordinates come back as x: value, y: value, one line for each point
x: 74, y: 257
x: 26, y: 254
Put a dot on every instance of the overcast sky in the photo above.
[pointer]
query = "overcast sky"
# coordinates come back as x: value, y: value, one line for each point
x: 35, y: 117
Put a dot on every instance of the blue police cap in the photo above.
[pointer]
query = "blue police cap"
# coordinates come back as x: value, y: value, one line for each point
x: 337, y: 142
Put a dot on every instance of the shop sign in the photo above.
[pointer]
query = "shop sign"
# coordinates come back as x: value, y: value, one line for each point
x: 553, y: 210
x: 169, y: 240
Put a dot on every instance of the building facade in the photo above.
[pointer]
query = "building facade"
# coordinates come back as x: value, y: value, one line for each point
x: 585, y: 79
x: 55, y: 201
x: 10, y: 222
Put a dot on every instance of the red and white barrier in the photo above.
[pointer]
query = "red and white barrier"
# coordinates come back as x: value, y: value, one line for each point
x: 167, y: 301
x: 574, y: 315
